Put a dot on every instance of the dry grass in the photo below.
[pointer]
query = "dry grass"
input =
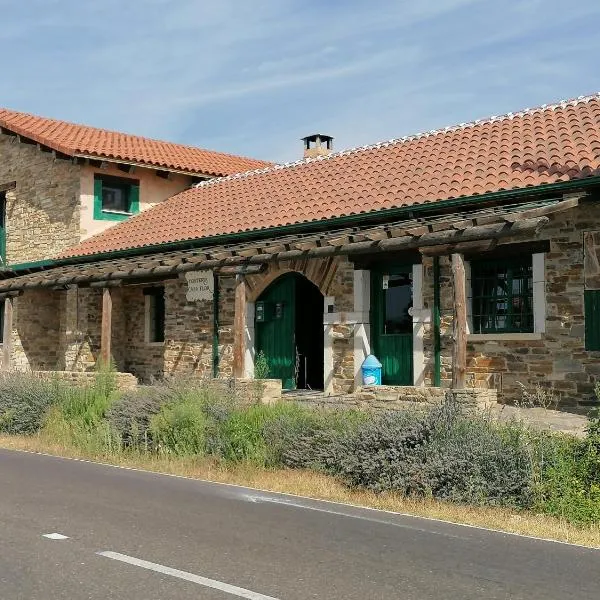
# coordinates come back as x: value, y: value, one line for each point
x: 314, y: 485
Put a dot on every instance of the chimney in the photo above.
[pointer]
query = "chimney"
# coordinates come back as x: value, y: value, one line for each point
x: 317, y: 144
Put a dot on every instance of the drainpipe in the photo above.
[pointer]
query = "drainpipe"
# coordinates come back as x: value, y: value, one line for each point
x: 215, y: 341
x: 437, y: 350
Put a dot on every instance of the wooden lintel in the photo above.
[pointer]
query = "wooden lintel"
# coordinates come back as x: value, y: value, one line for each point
x: 5, y: 187
x: 242, y: 270
x: 463, y: 248
x: 459, y: 347
x: 106, y: 284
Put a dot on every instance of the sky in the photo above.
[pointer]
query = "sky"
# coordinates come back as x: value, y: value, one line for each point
x: 252, y: 77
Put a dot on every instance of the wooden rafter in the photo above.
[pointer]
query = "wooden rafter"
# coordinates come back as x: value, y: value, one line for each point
x: 440, y: 235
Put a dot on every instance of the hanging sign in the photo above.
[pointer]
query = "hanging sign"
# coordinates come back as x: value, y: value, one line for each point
x: 200, y: 285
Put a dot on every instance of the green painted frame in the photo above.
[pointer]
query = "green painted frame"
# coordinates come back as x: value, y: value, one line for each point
x: 102, y: 215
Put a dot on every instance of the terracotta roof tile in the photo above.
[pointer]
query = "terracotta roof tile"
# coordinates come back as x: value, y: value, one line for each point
x: 538, y: 146
x: 78, y: 140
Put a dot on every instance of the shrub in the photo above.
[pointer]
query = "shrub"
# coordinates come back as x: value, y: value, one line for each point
x: 568, y: 479
x: 179, y: 428
x: 261, y: 366
x: 25, y: 401
x: 131, y: 413
x: 438, y: 452
x: 308, y: 439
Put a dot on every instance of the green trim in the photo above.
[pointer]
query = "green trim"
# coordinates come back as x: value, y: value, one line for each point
x: 104, y: 215
x: 36, y: 264
x: 437, y: 346
x: 215, y: 340
x: 324, y: 224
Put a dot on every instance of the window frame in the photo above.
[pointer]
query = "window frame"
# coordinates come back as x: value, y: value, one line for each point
x: 154, y: 325
x: 511, y: 265
x: 132, y: 187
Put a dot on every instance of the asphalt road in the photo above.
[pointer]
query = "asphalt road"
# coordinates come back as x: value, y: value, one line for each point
x: 172, y: 538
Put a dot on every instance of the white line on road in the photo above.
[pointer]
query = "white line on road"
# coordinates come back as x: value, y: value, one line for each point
x: 212, y: 583
x: 55, y: 536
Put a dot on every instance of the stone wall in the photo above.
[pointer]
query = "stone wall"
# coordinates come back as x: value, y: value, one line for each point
x: 556, y: 358
x: 123, y: 381
x: 43, y: 212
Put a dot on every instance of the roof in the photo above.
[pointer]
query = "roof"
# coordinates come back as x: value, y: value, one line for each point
x: 81, y: 140
x: 545, y: 145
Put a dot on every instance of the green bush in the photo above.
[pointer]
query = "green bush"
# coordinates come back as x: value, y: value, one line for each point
x: 25, y: 401
x: 568, y: 478
x: 179, y: 428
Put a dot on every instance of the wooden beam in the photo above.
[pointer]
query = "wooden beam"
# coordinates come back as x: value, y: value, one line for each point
x: 106, y: 284
x: 272, y: 253
x: 7, y: 335
x: 239, y: 327
x: 459, y: 348
x: 106, y: 331
x: 462, y: 248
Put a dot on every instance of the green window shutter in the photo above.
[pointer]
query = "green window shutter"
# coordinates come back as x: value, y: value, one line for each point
x: 97, y: 198
x: 134, y: 199
x: 592, y: 319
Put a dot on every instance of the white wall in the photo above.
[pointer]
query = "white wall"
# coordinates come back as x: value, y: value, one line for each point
x: 153, y: 189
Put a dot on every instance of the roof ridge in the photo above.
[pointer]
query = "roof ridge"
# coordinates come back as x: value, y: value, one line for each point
x: 125, y: 133
x: 406, y: 138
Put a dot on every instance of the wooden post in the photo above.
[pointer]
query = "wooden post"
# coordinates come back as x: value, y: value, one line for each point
x: 239, y: 327
x: 106, y: 334
x: 7, y: 334
x: 459, y: 349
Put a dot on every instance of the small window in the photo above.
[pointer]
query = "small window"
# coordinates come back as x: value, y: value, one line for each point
x: 502, y: 296
x: 115, y: 198
x: 397, y: 301
x: 155, y: 314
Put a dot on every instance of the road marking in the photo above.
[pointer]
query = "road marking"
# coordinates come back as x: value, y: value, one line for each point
x: 211, y: 583
x: 55, y: 536
x: 244, y: 488
x: 287, y: 502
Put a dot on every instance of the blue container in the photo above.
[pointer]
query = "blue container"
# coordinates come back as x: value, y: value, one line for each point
x: 371, y: 371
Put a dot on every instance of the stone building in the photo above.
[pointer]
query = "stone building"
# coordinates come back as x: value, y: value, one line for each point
x: 465, y: 257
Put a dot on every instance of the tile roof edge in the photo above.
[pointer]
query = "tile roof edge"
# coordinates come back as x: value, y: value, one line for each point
x: 400, y: 140
x: 41, y: 139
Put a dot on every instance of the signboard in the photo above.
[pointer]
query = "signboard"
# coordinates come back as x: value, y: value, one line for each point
x: 200, y: 285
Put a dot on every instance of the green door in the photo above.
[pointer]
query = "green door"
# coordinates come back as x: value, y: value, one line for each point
x: 275, y: 329
x: 391, y: 324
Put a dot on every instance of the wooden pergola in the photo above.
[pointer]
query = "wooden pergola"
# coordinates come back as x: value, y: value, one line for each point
x: 447, y: 234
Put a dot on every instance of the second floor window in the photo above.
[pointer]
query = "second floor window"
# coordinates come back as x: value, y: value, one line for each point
x: 115, y: 198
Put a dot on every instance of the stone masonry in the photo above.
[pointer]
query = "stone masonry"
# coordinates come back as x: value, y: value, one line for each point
x: 555, y: 359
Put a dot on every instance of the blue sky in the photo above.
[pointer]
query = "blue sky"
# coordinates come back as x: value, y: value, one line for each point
x: 253, y: 76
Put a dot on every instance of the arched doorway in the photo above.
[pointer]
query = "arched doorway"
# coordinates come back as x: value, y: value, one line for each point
x: 289, y: 331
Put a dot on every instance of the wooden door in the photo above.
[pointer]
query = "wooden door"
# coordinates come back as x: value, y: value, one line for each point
x: 275, y: 329
x: 391, y: 324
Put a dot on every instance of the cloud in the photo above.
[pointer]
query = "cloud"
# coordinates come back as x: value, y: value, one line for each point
x: 253, y: 77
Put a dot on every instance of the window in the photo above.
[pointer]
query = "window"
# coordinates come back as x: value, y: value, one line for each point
x: 155, y: 314
x: 115, y: 198
x: 397, y: 300
x: 502, y: 296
